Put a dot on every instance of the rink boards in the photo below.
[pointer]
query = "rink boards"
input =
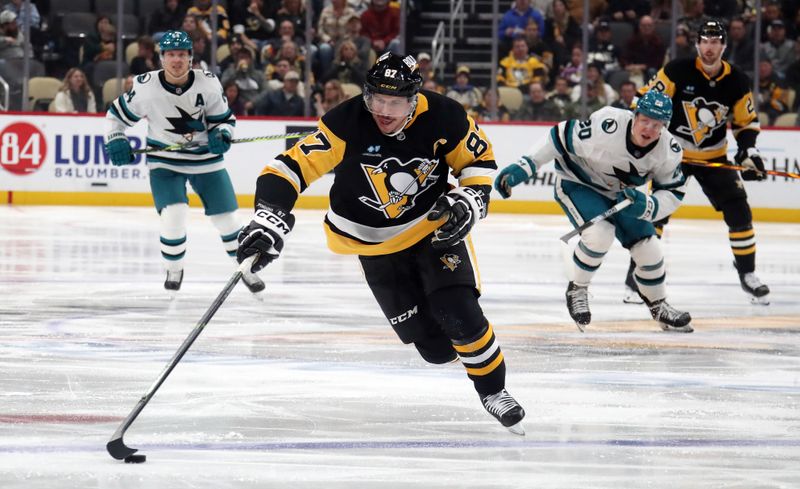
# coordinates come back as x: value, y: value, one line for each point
x: 57, y: 159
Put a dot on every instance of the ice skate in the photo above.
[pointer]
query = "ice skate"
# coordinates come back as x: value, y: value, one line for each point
x: 173, y: 281
x: 253, y: 283
x: 758, y: 292
x: 631, y: 289
x: 578, y: 305
x: 669, y: 318
x: 506, y: 410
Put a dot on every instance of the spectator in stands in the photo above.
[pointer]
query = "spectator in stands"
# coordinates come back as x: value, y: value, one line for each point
x: 573, y: 71
x: 483, y: 111
x: 779, y: 50
x: 234, y: 46
x: 201, y: 56
x: 101, y: 45
x: 167, y: 18
x: 275, y: 72
x: 720, y: 9
x: 425, y: 66
x: 362, y: 42
x: 793, y: 74
x: 191, y: 25
x: 381, y: 24
x: 537, y: 46
x: 773, y: 97
x: 644, y: 53
x: 662, y: 9
x: 602, y: 49
x: 561, y: 31
x: 236, y: 104
x: 75, y: 95
x: 347, y: 67
x: 519, y: 68
x: 259, y: 22
x: 684, y: 48
x: 249, y: 80
x: 146, y: 59
x: 294, y: 12
x: 202, y: 10
x: 562, y: 97
x: 463, y: 91
x: 11, y: 40
x: 740, y: 46
x: 627, y: 10
x: 286, y: 34
x: 605, y: 92
x: 331, y: 96
x: 627, y: 92
x: 693, y: 16
x: 432, y: 85
x: 283, y: 102
x: 771, y: 12
x: 593, y: 100
x: 514, y: 22
x: 16, y: 6
x: 537, y: 107
x: 332, y: 29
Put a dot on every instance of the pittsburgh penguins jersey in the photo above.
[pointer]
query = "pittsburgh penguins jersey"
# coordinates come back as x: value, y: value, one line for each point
x: 702, y: 106
x: 175, y: 115
x: 600, y: 154
x: 383, y: 186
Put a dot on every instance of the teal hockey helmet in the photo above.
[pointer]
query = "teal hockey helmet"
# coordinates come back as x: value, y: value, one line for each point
x: 174, y: 40
x: 655, y: 105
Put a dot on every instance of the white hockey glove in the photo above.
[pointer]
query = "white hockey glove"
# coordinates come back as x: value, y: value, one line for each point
x: 264, y: 235
x: 462, y: 207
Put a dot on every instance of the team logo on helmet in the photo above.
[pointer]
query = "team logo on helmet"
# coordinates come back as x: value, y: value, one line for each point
x: 702, y: 118
x: 396, y: 185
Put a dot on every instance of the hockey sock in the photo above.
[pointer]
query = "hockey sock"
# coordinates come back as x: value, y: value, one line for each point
x: 228, y: 226
x: 743, y: 246
x: 650, y: 271
x: 173, y: 235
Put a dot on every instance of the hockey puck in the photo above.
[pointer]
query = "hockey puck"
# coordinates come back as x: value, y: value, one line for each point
x: 135, y: 459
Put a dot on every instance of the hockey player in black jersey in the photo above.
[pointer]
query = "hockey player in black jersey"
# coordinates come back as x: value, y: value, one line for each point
x: 391, y: 151
x: 707, y: 92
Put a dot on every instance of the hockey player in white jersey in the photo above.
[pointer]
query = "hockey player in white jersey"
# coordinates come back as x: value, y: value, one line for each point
x: 600, y: 162
x: 181, y: 105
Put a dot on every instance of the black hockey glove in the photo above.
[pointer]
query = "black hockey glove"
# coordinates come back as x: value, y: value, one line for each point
x: 751, y: 159
x: 462, y: 207
x: 264, y: 235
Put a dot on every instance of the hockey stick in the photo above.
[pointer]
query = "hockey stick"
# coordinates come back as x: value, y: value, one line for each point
x: 182, y: 147
x: 608, y: 213
x: 116, y: 446
x: 740, y: 168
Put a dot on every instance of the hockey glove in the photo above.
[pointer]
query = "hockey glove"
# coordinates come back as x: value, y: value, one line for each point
x: 513, y: 175
x: 462, y: 207
x: 119, y: 149
x: 642, y: 205
x: 264, y: 235
x: 750, y: 159
x: 219, y: 141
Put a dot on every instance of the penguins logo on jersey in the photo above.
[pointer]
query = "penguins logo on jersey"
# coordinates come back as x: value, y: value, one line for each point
x: 451, y: 261
x: 702, y: 118
x: 396, y: 184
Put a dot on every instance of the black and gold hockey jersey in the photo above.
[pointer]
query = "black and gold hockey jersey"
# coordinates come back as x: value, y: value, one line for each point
x: 702, y: 106
x: 383, y: 186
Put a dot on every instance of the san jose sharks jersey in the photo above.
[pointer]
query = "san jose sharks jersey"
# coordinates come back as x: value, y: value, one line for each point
x: 383, y: 186
x: 599, y: 154
x: 175, y: 115
x: 702, y: 106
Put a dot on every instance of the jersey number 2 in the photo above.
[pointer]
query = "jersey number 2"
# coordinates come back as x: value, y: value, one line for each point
x: 324, y: 144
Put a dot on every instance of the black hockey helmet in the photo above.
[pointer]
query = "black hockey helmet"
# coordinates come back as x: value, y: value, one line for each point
x: 394, y: 75
x: 712, y: 28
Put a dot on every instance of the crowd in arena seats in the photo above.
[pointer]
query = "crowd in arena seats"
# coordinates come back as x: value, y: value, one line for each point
x: 265, y: 68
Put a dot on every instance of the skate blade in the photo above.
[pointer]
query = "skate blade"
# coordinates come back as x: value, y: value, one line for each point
x: 517, y: 429
x: 581, y: 327
x: 759, y: 301
x: 632, y: 300
x: 676, y: 329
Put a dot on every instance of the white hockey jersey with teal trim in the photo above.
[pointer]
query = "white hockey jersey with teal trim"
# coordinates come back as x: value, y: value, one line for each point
x: 175, y: 115
x: 599, y: 153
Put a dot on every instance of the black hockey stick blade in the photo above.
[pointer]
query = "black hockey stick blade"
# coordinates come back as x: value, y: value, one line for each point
x: 118, y: 449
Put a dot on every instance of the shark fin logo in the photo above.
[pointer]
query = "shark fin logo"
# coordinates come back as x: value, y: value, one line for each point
x: 702, y: 118
x: 395, y: 184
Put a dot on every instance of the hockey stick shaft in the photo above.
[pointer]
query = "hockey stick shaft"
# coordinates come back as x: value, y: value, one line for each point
x: 710, y: 164
x: 605, y: 215
x: 116, y: 446
x: 181, y: 147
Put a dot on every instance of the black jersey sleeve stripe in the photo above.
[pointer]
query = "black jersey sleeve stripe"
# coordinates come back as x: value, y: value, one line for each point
x: 295, y: 167
x: 273, y: 189
x: 116, y: 114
